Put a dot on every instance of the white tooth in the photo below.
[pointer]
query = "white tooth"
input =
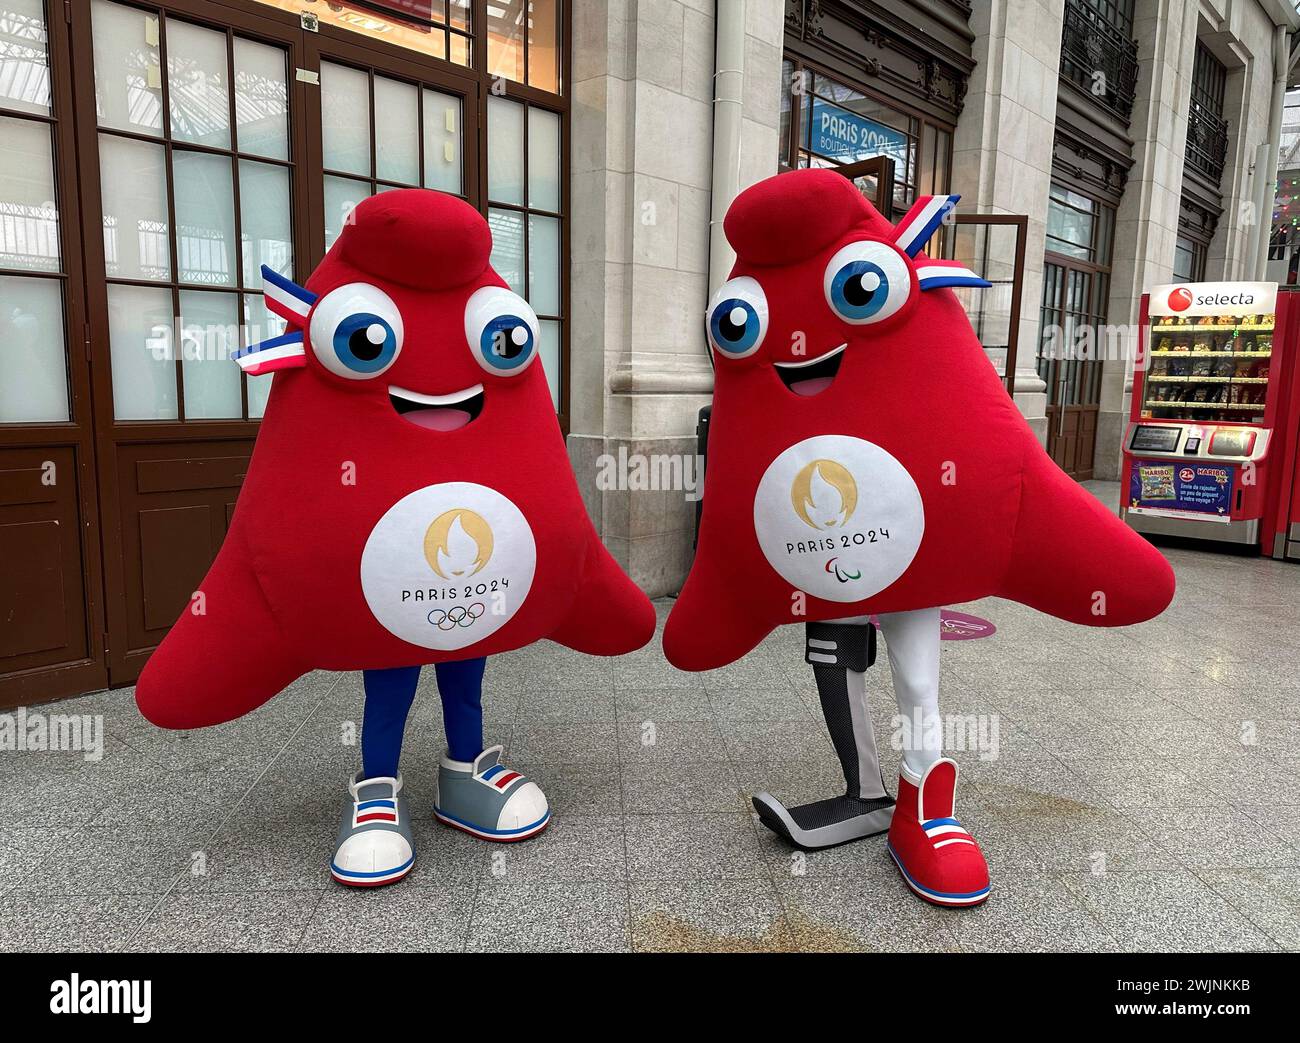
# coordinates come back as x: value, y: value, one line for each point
x: 435, y: 400
x: 812, y: 362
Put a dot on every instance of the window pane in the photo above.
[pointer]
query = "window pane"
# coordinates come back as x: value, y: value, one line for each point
x: 505, y: 27
x: 543, y: 159
x: 33, y: 367
x: 341, y: 196
x: 442, y: 142
x: 543, y: 54
x: 128, y: 77
x: 458, y: 13
x: 24, y: 59
x: 505, y: 151
x: 259, y: 324
x: 265, y: 220
x: 397, y: 131
x: 261, y: 99
x: 550, y: 358
x: 140, y: 339
x: 458, y: 50
x: 209, y: 333
x: 198, y: 91
x: 205, y: 218
x: 133, y: 183
x: 29, y: 218
x: 345, y: 118
x: 544, y: 264
x: 508, y: 247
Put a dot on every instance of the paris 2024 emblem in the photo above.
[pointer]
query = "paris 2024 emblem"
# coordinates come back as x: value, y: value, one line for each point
x: 838, y: 517
x: 448, y: 565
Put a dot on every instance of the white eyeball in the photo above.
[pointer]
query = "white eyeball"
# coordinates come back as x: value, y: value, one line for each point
x: 737, y: 318
x: 867, y: 282
x: 502, y: 330
x: 356, y: 331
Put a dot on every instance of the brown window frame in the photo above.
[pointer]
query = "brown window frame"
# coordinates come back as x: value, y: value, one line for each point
x: 927, y: 128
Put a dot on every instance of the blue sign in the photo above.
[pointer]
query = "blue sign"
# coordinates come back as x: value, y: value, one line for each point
x: 843, y: 135
x: 1183, y: 487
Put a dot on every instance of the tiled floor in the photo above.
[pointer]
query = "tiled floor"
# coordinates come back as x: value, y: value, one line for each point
x: 1146, y: 796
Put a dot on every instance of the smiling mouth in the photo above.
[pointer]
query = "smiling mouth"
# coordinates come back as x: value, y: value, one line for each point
x: 812, y: 377
x: 437, y: 412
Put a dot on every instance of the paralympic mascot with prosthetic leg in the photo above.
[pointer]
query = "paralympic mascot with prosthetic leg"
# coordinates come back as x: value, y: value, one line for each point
x: 409, y: 501
x: 865, y: 460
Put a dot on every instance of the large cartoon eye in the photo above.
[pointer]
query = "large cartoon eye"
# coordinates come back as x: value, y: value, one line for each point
x: 502, y: 330
x: 738, y: 318
x: 356, y: 331
x: 867, y: 282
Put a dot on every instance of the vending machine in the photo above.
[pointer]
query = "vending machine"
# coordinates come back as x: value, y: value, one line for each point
x: 1284, y: 537
x: 1213, y: 400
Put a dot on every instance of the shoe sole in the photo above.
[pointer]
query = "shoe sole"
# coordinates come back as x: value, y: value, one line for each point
x: 501, y: 838
x: 951, y: 901
x: 373, y: 881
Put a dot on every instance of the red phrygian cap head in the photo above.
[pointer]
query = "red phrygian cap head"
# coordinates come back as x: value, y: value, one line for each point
x: 863, y: 454
x: 410, y: 498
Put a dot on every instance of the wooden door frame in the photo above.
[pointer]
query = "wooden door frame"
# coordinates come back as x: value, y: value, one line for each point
x: 1057, y: 411
x: 1020, y: 222
x: 78, y: 433
x: 109, y: 433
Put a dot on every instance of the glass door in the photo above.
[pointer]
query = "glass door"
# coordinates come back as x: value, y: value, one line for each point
x: 189, y: 184
x: 51, y: 602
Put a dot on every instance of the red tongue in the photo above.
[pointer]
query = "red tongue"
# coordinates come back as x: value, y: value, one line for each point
x: 438, y: 418
x: 811, y: 386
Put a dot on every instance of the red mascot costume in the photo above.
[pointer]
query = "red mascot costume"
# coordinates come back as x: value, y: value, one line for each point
x: 409, y: 502
x: 864, y: 459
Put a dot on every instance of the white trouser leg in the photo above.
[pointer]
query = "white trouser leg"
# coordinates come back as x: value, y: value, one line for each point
x: 913, y: 642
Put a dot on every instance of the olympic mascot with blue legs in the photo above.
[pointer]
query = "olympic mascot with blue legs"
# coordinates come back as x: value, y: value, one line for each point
x: 865, y: 461
x: 409, y: 502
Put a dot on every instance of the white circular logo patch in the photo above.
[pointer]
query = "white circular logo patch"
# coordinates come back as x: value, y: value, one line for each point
x: 448, y: 565
x: 838, y: 517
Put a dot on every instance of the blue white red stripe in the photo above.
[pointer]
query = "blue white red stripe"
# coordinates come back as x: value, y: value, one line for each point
x: 285, y: 297
x: 949, y: 829
x: 921, y: 222
x: 375, y: 811
x: 500, y: 777
x: 283, y: 352
x: 932, y: 274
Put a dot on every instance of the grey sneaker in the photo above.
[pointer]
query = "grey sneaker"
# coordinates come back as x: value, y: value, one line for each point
x: 486, y: 799
x: 375, y: 844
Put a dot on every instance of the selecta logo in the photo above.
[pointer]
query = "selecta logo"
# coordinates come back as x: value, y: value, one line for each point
x: 1180, y: 299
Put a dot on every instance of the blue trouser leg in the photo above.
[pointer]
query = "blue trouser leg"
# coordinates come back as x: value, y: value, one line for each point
x: 389, y: 694
x: 461, y: 687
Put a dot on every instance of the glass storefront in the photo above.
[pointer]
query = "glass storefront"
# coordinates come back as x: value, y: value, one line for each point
x: 156, y: 154
x: 826, y: 122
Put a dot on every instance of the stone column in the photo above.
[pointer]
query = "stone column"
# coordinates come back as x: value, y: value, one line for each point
x: 1002, y: 151
x: 641, y: 174
x: 1146, y: 224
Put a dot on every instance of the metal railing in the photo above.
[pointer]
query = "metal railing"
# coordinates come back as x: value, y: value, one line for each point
x: 1100, y: 57
x: 1207, y: 141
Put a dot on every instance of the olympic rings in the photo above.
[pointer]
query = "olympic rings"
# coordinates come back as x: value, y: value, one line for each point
x: 456, y: 616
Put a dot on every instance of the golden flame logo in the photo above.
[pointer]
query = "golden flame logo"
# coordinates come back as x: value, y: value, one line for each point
x: 458, y: 543
x: 824, y: 495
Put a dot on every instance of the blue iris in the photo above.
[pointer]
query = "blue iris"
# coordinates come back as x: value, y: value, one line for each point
x: 507, y: 342
x: 735, y: 326
x: 859, y: 290
x: 364, y: 342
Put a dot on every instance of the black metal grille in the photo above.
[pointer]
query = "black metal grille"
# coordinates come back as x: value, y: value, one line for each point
x: 1099, y: 54
x: 1207, y: 130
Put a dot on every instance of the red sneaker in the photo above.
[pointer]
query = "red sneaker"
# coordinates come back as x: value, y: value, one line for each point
x: 939, y: 860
